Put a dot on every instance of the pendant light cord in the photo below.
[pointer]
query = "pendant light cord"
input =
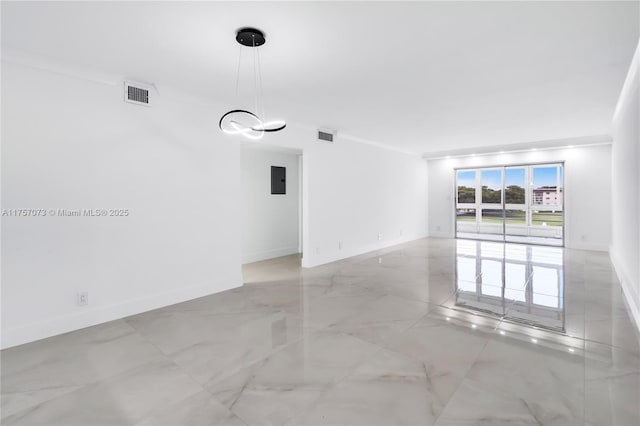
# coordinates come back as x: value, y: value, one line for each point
x: 257, y: 80
x: 238, y: 76
x: 255, y: 76
x: 262, y: 114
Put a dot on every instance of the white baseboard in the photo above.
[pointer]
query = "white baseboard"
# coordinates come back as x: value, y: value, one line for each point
x: 101, y: 314
x: 268, y: 254
x: 317, y: 260
x: 631, y: 295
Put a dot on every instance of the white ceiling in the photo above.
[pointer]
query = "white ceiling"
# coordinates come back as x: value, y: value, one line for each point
x: 421, y: 76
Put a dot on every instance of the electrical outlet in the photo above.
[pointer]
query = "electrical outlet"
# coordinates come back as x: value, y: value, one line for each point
x: 83, y: 298
x: 379, y: 237
x: 380, y: 260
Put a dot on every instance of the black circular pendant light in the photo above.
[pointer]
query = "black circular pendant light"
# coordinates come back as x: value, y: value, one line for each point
x: 241, y: 121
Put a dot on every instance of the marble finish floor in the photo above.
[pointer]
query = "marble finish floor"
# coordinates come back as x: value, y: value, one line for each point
x: 436, y: 331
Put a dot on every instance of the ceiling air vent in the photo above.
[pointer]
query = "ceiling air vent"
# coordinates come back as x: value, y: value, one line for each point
x: 137, y: 93
x: 325, y: 136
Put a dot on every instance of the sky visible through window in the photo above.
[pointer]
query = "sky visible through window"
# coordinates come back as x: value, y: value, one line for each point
x: 467, y: 178
x: 542, y: 176
x: 514, y: 177
x: 492, y: 179
x: 545, y: 176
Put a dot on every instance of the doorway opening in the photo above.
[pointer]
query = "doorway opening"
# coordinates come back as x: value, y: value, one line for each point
x: 514, y: 203
x: 271, y: 183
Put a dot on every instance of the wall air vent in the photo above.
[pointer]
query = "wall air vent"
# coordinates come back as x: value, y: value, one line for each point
x: 325, y: 136
x: 137, y: 93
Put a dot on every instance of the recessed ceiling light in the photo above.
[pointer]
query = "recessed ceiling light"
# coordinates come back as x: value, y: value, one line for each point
x: 473, y: 326
x: 501, y: 152
x: 448, y: 319
x: 570, y: 146
x: 571, y: 350
x: 533, y: 149
x: 534, y: 340
x: 502, y: 332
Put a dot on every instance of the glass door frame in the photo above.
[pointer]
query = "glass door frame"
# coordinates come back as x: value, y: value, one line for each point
x: 528, y: 198
x: 525, y: 205
x: 486, y: 227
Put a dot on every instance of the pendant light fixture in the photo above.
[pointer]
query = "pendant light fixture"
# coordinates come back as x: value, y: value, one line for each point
x: 241, y: 121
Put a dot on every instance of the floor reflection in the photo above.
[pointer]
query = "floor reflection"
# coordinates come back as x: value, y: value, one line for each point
x: 518, y: 283
x: 375, y: 339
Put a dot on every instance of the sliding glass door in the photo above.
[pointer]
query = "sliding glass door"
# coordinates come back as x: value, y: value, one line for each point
x: 466, y: 205
x: 516, y: 208
x: 547, y: 216
x: 491, y: 210
x: 520, y: 203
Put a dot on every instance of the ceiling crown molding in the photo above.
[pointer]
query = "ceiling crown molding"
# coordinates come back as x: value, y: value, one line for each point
x: 592, y: 140
x: 43, y: 64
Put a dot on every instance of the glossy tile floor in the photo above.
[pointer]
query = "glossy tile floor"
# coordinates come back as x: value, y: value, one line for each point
x: 436, y: 331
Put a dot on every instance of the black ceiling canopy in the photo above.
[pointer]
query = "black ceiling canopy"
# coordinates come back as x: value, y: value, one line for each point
x: 250, y: 37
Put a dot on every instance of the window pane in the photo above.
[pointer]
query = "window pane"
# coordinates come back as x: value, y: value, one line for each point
x: 492, y: 186
x: 515, y: 217
x: 546, y: 218
x: 492, y: 216
x: 466, y: 215
x: 545, y: 187
x: 467, y: 186
x: 514, y: 186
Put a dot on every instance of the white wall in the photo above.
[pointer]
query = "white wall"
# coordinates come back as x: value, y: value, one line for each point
x: 269, y: 221
x: 587, y: 177
x: 71, y: 143
x: 354, y: 191
x: 625, y: 247
x: 358, y: 192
